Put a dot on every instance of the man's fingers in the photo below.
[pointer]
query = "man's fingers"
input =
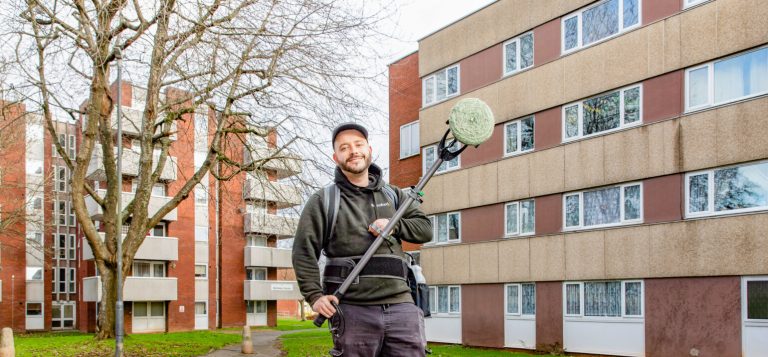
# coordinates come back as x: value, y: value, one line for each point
x: 334, y: 299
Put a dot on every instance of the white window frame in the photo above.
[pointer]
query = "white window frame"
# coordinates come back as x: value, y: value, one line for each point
x: 61, y: 317
x: 744, y: 311
x: 205, y: 302
x: 582, y: 303
x: 433, y: 77
x: 435, y: 228
x: 409, y: 128
x: 206, y: 272
x: 447, y: 168
x: 152, y: 265
x: 201, y: 195
x: 42, y: 308
x: 519, y: 313
x: 72, y: 147
x: 710, y: 66
x: 254, y: 269
x: 71, y: 221
x: 711, y: 193
x: 250, y: 239
x: 71, y: 246
x: 433, y: 289
x: 518, y: 54
x: 580, y: 110
x: 692, y: 3
x: 621, y: 222
x: 579, y: 32
x: 519, y: 149
x: 507, y: 234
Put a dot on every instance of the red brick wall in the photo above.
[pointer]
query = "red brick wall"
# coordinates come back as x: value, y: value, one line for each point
x: 404, y: 105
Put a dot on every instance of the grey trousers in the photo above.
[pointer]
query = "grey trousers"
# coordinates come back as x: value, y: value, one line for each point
x: 380, y: 330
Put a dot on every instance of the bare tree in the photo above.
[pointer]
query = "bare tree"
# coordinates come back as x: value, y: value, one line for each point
x: 257, y: 64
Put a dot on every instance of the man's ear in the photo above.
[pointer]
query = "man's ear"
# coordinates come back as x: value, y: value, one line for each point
x: 335, y: 159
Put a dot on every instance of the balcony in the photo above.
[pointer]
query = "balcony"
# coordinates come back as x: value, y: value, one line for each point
x: 155, y: 203
x: 132, y: 119
x: 271, y: 290
x: 285, y: 163
x: 130, y: 165
x: 135, y: 289
x: 267, y: 257
x: 282, y: 226
x: 284, y: 195
x: 153, y: 248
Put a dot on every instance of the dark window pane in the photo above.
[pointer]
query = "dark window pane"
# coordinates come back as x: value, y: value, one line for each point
x: 632, y: 105
x: 600, y: 22
x: 632, y: 202
x: 526, y: 133
x: 601, y: 113
x: 757, y: 299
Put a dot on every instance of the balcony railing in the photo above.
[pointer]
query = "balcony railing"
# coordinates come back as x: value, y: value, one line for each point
x: 284, y: 195
x: 155, y: 203
x: 130, y: 165
x: 267, y: 257
x: 282, y: 226
x: 153, y: 248
x: 271, y: 290
x: 135, y: 289
x: 285, y: 163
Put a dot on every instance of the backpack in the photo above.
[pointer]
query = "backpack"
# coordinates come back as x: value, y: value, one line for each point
x: 331, y: 201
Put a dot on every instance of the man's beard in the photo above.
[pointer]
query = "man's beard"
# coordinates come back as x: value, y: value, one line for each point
x: 360, y: 169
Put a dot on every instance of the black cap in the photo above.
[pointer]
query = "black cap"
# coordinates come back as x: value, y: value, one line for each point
x: 348, y: 126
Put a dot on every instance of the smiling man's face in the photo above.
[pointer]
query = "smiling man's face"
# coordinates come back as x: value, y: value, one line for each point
x: 352, y: 152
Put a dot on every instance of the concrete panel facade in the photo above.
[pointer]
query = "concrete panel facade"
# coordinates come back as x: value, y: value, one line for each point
x: 482, y: 324
x: 684, y: 314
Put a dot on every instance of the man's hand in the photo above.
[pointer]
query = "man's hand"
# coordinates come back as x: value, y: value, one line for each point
x: 324, y: 307
x: 380, y: 224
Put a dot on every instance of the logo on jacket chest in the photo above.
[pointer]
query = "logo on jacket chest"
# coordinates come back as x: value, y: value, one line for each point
x: 383, y: 204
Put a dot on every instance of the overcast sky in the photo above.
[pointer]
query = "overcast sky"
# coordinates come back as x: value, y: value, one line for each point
x: 416, y: 19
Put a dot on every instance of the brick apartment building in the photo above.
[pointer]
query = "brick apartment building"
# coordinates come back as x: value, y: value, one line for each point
x: 621, y: 205
x: 212, y: 262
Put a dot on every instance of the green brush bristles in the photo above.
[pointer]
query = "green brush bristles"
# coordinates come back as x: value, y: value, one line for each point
x: 471, y: 121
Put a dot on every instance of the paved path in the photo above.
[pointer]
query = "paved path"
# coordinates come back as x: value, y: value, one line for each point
x: 264, y: 345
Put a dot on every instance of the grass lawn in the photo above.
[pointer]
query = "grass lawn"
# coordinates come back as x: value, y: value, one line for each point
x: 318, y: 343
x: 192, y: 343
x: 288, y: 324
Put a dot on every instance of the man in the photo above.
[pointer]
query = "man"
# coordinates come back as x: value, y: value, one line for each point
x: 379, y: 316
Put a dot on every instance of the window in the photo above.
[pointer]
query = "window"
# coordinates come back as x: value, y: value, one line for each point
x: 430, y: 156
x: 690, y: 3
x: 35, y: 239
x: 201, y: 271
x: 518, y: 136
x: 158, y: 189
x: 603, y: 299
x: 149, y: 269
x: 255, y: 240
x: 727, y: 80
x: 518, y: 53
x: 409, y: 139
x: 441, y: 85
x: 62, y: 211
x: 148, y: 309
x: 599, y: 22
x: 64, y: 280
x: 446, y: 228
x: 71, y: 248
x: 61, y: 179
x: 256, y: 307
x: 62, y: 315
x: 445, y: 299
x: 727, y: 190
x: 158, y: 230
x: 608, y: 206
x: 255, y: 273
x: 755, y: 294
x: 34, y: 309
x: 520, y: 299
x: 604, y: 113
x: 201, y: 308
x: 34, y: 273
x: 201, y: 195
x: 72, y: 150
x: 37, y: 203
x: 519, y: 218
x: 71, y: 215
x: 61, y: 246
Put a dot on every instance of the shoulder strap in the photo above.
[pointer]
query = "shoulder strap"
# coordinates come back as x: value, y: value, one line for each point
x: 331, y: 201
x: 391, y: 195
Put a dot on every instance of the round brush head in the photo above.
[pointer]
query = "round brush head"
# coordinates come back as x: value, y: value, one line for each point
x: 471, y: 121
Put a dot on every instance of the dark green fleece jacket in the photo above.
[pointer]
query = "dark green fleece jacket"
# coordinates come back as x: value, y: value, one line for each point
x: 358, y: 208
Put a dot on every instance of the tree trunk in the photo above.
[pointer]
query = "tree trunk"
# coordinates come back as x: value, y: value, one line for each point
x: 105, y: 325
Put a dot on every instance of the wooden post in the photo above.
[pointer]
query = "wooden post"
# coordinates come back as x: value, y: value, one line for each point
x: 247, y: 343
x: 6, y: 343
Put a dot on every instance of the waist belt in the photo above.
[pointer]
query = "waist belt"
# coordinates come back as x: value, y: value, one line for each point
x: 380, y: 266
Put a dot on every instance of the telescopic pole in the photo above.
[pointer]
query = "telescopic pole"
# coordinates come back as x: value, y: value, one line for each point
x: 119, y: 228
